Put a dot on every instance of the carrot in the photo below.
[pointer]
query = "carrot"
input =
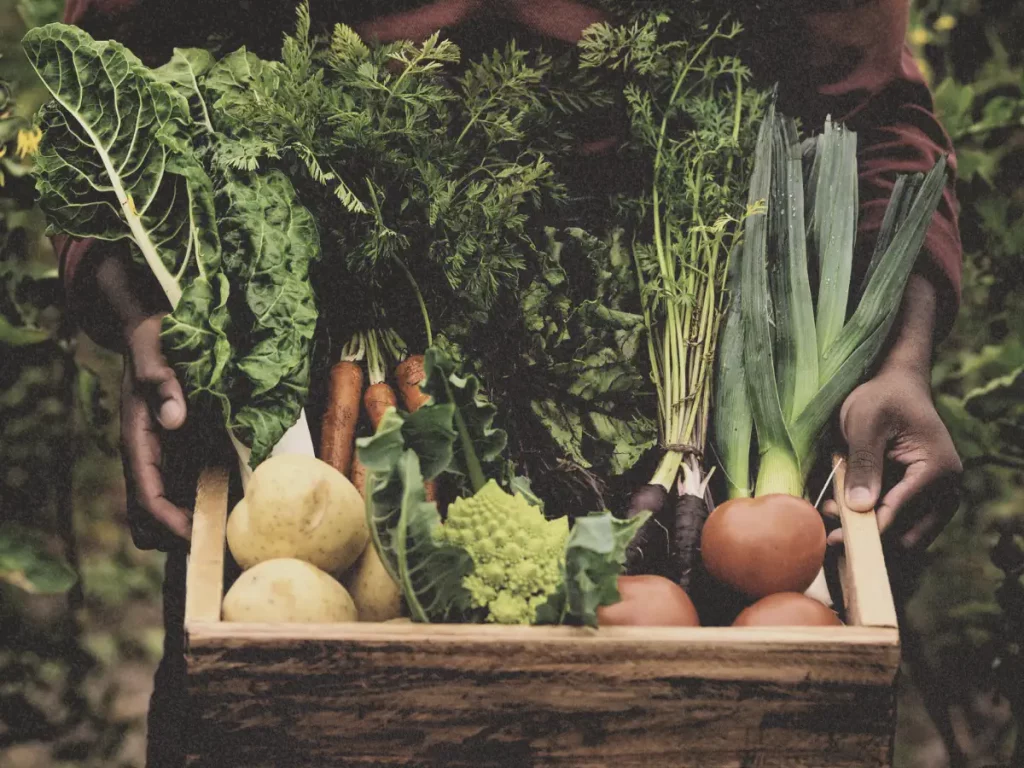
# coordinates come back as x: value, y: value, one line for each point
x: 339, y: 426
x: 378, y: 398
x: 359, y: 476
x: 410, y: 374
x: 648, y: 553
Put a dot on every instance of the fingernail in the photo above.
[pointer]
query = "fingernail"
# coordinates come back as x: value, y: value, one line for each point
x: 170, y: 413
x: 859, y: 498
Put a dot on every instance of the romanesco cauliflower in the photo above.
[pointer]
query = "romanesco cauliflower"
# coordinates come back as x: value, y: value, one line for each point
x: 517, y: 554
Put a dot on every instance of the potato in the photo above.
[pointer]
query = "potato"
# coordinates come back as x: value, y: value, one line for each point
x: 375, y: 593
x: 287, y: 590
x: 298, y: 506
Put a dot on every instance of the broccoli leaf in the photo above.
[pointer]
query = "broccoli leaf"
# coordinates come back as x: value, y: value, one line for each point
x: 480, y: 444
x: 405, y: 527
x: 594, y: 557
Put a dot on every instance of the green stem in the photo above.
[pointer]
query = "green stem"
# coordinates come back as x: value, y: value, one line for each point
x: 419, y: 300
x: 668, y: 470
x: 473, y: 468
x: 374, y: 360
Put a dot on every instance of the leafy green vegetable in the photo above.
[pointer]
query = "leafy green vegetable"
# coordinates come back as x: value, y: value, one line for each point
x: 798, y: 368
x: 496, y: 562
x: 594, y: 557
x: 691, y: 113
x: 136, y: 155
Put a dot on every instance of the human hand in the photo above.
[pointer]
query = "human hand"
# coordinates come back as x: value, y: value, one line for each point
x: 892, y: 417
x: 152, y: 403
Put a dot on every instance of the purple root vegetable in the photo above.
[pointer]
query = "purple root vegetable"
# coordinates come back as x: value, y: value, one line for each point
x: 691, y: 512
x: 650, y: 552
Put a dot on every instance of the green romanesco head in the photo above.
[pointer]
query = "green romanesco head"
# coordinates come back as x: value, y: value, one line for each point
x: 517, y: 554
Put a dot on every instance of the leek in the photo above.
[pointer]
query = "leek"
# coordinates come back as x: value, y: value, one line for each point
x: 803, y: 349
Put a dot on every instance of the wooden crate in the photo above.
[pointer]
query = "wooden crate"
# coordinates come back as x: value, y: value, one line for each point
x: 467, y: 695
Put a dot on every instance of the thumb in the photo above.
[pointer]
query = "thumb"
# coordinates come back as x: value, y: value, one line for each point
x: 156, y: 379
x: 866, y: 439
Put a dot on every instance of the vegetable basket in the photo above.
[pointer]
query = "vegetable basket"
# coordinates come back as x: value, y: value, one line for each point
x: 365, y: 694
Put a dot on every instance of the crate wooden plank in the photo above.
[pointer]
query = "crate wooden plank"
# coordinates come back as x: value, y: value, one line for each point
x: 365, y: 694
x: 866, y: 590
x: 204, y: 582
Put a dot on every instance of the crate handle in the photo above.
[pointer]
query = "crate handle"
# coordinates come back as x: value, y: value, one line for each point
x: 866, y: 590
x: 204, y: 583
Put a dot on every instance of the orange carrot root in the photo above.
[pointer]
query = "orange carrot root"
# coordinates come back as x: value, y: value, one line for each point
x: 341, y: 416
x: 359, y: 476
x: 378, y: 398
x: 410, y: 374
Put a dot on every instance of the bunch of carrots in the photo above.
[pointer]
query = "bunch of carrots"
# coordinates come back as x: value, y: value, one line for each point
x: 346, y: 393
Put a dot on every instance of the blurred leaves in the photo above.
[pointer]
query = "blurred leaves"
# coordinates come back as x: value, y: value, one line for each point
x: 968, y: 612
x: 27, y: 563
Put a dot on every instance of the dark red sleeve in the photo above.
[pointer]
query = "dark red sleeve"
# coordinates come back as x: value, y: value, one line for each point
x: 854, y: 64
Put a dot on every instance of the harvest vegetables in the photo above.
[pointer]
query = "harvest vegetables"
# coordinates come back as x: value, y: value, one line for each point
x: 792, y: 357
x: 298, y: 507
x: 338, y: 435
x: 649, y: 601
x: 374, y: 592
x: 442, y: 186
x: 760, y: 546
x: 299, y: 534
x: 287, y: 590
x: 516, y: 553
x: 500, y: 561
x: 692, y: 119
x: 787, y: 609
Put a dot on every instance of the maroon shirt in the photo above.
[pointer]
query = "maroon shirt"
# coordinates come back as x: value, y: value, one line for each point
x: 846, y: 58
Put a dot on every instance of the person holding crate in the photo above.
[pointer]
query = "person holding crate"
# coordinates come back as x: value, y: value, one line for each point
x: 853, y: 64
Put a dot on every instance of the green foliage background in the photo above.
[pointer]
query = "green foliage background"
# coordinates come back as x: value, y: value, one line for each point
x: 76, y: 665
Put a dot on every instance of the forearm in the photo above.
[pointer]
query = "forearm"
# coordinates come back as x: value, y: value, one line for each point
x: 910, y: 353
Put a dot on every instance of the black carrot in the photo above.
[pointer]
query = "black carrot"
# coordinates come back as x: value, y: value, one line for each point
x: 649, y: 554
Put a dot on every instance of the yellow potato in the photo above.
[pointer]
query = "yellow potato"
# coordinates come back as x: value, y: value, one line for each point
x: 376, y: 595
x: 298, y: 506
x: 287, y: 590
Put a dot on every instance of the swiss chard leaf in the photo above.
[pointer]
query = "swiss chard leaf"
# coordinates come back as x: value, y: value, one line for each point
x: 116, y: 162
x: 134, y: 154
x: 272, y: 240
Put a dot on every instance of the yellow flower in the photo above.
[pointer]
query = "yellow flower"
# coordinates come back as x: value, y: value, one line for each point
x: 945, y: 22
x: 920, y: 36
x: 28, y: 141
x: 926, y: 70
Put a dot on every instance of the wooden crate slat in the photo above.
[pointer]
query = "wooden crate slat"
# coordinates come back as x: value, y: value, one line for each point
x: 866, y: 589
x: 204, y: 583
x: 468, y: 700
